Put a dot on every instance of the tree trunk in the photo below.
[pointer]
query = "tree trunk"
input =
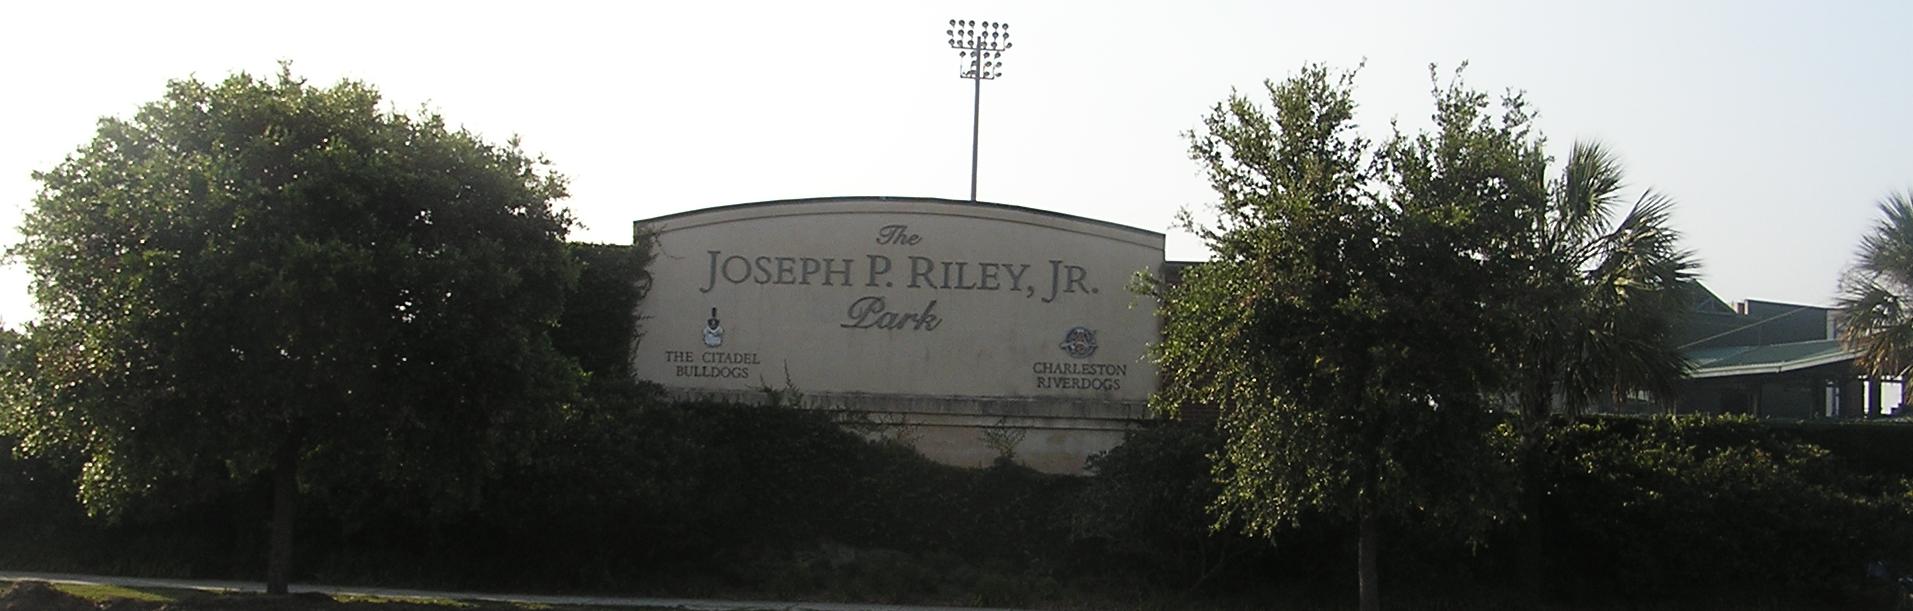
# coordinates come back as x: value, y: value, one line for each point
x: 1529, y: 546
x: 285, y: 498
x: 1367, y: 540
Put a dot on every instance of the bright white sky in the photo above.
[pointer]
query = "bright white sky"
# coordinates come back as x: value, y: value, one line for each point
x: 1776, y: 125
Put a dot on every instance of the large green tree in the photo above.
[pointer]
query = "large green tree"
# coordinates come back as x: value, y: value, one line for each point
x: 1876, y: 293
x: 1586, y: 301
x: 260, y: 279
x: 1340, y: 326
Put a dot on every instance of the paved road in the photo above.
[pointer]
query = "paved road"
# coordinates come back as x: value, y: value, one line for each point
x: 685, y: 604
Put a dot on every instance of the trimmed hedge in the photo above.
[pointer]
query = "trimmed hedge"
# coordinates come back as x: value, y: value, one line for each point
x: 631, y: 494
x: 1654, y: 507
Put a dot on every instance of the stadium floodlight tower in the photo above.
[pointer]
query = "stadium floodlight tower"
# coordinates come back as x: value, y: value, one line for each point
x: 982, y: 46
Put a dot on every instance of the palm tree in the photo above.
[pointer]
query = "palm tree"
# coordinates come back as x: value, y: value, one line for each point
x: 1874, y: 293
x: 1595, y: 313
x: 1605, y: 294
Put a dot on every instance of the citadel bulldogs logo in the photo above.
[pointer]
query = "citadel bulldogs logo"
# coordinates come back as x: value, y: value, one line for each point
x: 713, y: 332
x: 1079, y: 342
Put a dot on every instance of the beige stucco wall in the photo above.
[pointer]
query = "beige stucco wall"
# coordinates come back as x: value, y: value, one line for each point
x: 949, y: 316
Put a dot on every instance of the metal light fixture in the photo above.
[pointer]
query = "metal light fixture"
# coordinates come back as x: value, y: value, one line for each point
x: 981, y: 45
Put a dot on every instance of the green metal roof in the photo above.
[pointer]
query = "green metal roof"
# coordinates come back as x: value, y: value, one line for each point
x: 1726, y: 361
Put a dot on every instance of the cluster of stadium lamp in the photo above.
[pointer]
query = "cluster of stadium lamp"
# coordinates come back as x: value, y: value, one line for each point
x: 981, y: 44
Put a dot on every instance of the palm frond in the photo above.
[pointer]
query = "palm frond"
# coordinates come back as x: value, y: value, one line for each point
x: 1874, y: 293
x: 1586, y: 193
x: 1643, y: 252
x: 1887, y: 252
x: 1619, y: 336
x: 1876, y: 324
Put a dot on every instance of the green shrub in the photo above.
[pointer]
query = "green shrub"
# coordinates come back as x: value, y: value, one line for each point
x: 631, y: 493
x: 1660, y: 506
x: 1875, y: 448
x: 598, y: 322
x: 1142, y: 525
x: 1146, y: 505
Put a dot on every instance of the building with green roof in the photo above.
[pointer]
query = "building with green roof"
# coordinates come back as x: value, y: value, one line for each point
x: 1771, y: 359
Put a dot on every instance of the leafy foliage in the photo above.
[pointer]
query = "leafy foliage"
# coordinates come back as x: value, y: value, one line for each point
x: 1341, y: 327
x: 1877, y: 320
x: 1585, y: 304
x: 1659, y: 506
x: 630, y: 491
x: 1604, y: 299
x: 681, y: 500
x: 599, y: 325
x: 1590, y: 301
x: 1146, y: 505
x: 1370, y: 306
x: 261, y: 276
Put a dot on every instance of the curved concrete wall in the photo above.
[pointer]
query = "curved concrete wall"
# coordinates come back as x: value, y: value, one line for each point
x: 958, y: 325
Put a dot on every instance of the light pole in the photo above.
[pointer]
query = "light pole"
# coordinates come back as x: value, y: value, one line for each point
x: 982, y: 44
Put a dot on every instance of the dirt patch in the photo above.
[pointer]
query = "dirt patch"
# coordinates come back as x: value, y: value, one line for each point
x: 38, y: 596
x: 305, y: 601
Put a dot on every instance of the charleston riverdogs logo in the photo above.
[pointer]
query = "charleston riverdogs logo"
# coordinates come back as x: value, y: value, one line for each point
x: 1079, y: 342
x: 713, y: 333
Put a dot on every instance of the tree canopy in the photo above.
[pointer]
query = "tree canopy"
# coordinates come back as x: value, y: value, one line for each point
x: 1584, y: 303
x: 1877, y: 318
x: 1342, y: 327
x: 1372, y: 309
x: 262, y: 278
